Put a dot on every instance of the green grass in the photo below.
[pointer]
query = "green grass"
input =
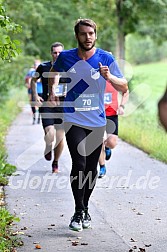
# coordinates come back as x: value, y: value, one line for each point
x: 141, y: 127
x: 155, y: 75
x: 9, y: 110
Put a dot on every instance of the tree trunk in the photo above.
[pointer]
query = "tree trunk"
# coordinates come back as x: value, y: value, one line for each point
x: 120, y: 44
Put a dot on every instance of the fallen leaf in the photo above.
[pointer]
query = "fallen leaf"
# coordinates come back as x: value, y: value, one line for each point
x: 20, y: 243
x: 75, y: 243
x: 147, y: 245
x: 132, y: 240
x: 23, y: 213
x: 2, y: 203
x: 69, y: 239
x: 18, y: 232
x: 13, y: 250
x: 142, y: 250
x: 24, y: 228
x: 138, y: 213
x: 38, y: 246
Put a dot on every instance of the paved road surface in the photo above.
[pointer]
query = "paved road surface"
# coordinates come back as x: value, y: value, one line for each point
x: 128, y: 206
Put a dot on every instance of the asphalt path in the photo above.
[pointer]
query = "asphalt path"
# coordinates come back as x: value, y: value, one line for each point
x: 128, y: 206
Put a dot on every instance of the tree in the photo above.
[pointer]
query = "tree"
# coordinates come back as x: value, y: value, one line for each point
x: 143, y: 17
x: 103, y: 13
x: 118, y: 18
x: 8, y: 46
x: 43, y: 22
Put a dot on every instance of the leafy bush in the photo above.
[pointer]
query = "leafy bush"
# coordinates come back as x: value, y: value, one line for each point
x: 8, y: 240
x: 9, y: 47
x: 151, y: 52
x: 12, y: 75
x: 5, y: 170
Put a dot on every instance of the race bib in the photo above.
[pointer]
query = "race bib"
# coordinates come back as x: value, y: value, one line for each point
x: 59, y: 90
x: 87, y: 102
x: 107, y: 98
x: 39, y: 88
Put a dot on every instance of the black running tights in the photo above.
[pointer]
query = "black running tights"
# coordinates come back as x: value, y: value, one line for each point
x: 84, y: 146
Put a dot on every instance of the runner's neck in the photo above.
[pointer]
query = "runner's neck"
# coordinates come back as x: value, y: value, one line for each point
x: 85, y: 55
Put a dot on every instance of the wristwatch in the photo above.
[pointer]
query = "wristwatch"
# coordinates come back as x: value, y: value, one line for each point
x: 122, y: 106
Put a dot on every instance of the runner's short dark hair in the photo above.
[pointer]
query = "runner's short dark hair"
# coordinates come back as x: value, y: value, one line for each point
x: 84, y: 21
x: 56, y: 44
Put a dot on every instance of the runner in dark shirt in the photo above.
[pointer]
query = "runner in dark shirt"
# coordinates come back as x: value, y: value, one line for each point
x: 52, y: 117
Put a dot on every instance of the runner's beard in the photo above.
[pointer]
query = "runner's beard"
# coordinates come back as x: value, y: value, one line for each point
x: 85, y: 48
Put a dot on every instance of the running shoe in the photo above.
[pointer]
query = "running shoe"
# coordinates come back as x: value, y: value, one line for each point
x: 108, y: 153
x: 55, y: 167
x: 102, y: 172
x: 33, y: 121
x: 76, y: 221
x: 48, y: 153
x: 87, y: 219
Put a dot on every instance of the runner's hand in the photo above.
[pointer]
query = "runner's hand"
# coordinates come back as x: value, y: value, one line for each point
x: 39, y: 100
x: 104, y: 71
x: 53, y: 100
x: 120, y: 110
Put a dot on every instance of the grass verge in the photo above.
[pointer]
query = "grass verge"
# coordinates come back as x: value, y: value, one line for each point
x: 9, y: 110
x: 141, y: 127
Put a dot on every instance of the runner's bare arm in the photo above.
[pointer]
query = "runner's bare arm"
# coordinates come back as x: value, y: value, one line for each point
x: 124, y: 100
x: 33, y: 85
x: 120, y: 84
x: 53, y: 81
